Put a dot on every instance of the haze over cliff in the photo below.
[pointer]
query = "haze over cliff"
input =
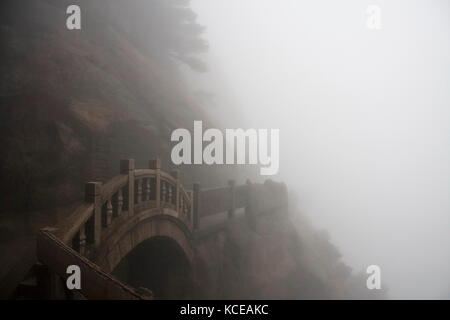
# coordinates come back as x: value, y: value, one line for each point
x: 364, y: 120
x: 72, y: 103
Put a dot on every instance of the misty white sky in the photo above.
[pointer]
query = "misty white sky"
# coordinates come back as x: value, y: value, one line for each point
x: 364, y: 120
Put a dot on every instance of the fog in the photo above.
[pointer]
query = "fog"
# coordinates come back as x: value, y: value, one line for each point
x: 364, y: 119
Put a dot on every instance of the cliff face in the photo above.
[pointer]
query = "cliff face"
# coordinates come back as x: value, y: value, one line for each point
x: 74, y: 102
x: 281, y: 257
x: 260, y: 262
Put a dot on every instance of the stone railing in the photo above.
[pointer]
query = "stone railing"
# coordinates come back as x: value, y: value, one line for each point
x: 253, y: 198
x: 129, y: 193
x: 55, y: 256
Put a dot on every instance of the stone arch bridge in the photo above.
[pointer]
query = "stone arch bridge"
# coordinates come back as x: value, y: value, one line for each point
x: 130, y: 208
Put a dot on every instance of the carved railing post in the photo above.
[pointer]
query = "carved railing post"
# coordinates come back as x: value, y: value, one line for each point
x: 175, y: 174
x: 93, y: 195
x: 231, y: 184
x: 139, y: 190
x: 156, y: 165
x: 196, y: 206
x: 127, y: 167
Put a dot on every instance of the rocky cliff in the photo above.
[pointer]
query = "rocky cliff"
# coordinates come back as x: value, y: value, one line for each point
x: 74, y: 102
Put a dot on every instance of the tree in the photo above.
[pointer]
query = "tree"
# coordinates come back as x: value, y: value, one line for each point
x: 163, y: 28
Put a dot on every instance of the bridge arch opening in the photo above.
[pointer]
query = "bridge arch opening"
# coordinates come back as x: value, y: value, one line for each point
x: 159, y: 264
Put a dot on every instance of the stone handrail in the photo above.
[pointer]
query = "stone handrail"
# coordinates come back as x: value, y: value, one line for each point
x: 95, y: 283
x: 132, y: 191
x: 254, y: 198
x: 135, y: 190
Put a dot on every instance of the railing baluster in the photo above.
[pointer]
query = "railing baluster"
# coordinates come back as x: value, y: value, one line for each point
x: 147, y: 189
x: 139, y: 190
x: 109, y: 211
x: 163, y: 191
x: 118, y: 203
x: 79, y: 240
x: 156, y: 165
x: 184, y: 208
x: 169, y: 192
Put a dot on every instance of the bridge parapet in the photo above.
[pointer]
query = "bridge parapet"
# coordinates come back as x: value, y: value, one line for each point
x: 129, y: 193
x: 95, y: 283
x: 253, y: 198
